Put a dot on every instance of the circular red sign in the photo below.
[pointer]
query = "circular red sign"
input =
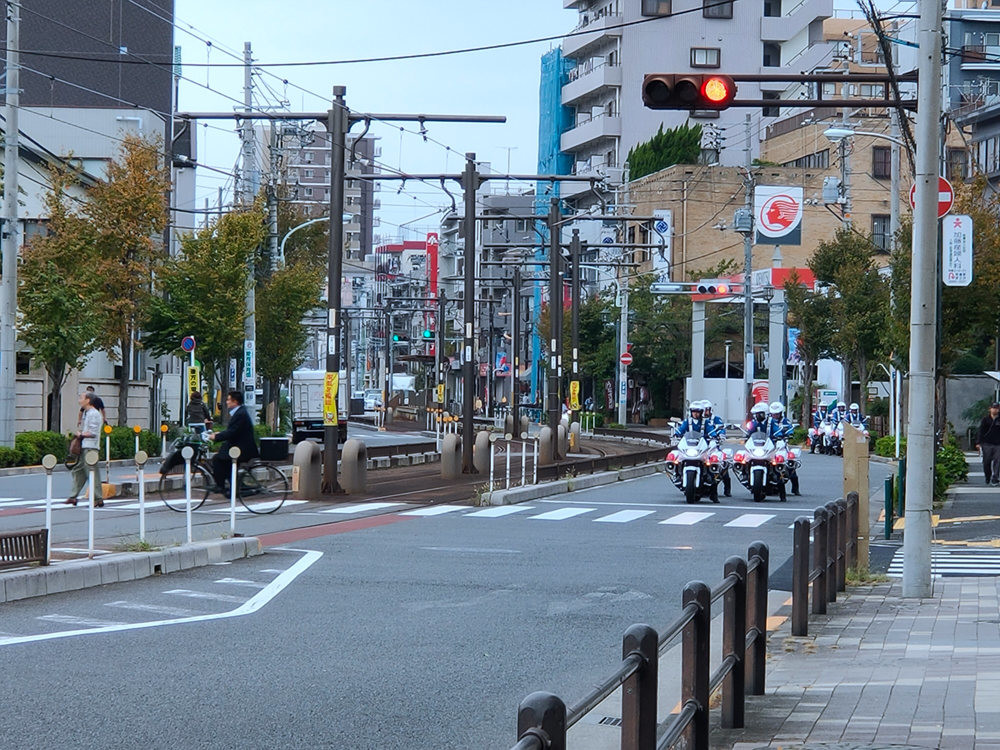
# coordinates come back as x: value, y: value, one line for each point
x: 946, y: 196
x: 626, y: 358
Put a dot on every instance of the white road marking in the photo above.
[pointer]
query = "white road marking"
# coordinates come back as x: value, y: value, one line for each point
x: 434, y: 510
x: 623, y: 516
x: 750, y: 520
x: 688, y: 518
x: 241, y: 582
x: 161, y: 610
x: 82, y: 622
x: 206, y: 595
x: 361, y: 507
x: 498, y: 511
x: 562, y: 514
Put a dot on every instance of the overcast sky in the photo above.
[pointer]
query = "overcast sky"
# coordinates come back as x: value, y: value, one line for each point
x: 495, y: 82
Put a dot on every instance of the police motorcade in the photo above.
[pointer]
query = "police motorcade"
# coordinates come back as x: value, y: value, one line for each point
x: 695, y: 465
x: 765, y: 462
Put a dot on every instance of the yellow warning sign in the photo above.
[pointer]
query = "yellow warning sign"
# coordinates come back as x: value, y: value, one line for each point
x: 440, y: 393
x: 330, y: 385
x: 574, y: 395
x: 193, y: 380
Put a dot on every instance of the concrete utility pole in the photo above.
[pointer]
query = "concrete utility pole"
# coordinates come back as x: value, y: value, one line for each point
x: 622, y: 348
x: 923, y: 308
x: 470, y: 184
x: 249, y: 368
x: 748, y: 186
x: 10, y: 236
x: 555, y: 323
x: 574, y: 254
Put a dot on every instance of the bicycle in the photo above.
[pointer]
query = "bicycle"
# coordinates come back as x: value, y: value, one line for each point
x: 260, y: 487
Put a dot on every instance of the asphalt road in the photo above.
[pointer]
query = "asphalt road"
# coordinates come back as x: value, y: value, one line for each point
x: 422, y: 628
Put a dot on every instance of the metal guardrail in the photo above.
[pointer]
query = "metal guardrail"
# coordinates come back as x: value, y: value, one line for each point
x: 22, y: 547
x: 550, y: 472
x: 543, y: 719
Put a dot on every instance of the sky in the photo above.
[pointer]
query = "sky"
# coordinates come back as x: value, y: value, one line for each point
x: 495, y: 82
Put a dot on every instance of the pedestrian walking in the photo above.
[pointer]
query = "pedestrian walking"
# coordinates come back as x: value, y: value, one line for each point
x: 989, y: 444
x: 90, y: 436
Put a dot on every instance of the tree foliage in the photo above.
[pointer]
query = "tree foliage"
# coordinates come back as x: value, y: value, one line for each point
x: 57, y: 285
x: 680, y: 145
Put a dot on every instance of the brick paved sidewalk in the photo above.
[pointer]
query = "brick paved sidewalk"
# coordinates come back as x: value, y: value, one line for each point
x: 883, y: 671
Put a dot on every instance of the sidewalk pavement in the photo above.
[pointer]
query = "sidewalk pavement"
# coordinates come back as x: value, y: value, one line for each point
x: 879, y: 670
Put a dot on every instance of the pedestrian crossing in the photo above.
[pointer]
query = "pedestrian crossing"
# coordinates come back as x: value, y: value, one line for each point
x: 948, y: 562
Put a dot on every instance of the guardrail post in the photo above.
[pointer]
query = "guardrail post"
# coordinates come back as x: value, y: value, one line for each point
x: 544, y: 716
x: 734, y: 639
x: 901, y: 489
x: 831, y: 552
x: 853, y: 523
x: 888, y: 492
x: 757, y: 617
x: 800, y: 576
x: 841, y: 545
x: 694, y: 662
x: 639, y: 690
x: 820, y: 536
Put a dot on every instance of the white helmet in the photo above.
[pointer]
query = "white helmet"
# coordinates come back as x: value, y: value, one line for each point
x: 697, y: 406
x: 854, y: 407
x: 842, y: 406
x: 706, y: 405
x: 777, y: 407
x: 759, y: 408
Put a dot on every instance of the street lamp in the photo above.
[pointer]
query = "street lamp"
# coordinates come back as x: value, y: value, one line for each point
x: 281, y: 248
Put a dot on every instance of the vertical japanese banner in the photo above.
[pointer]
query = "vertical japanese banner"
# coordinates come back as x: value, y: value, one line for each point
x: 574, y: 395
x: 609, y: 394
x: 193, y: 380
x: 330, y: 385
x: 249, y: 374
x: 956, y: 247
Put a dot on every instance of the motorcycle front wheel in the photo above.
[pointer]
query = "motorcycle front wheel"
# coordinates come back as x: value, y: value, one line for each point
x: 757, y: 489
x: 691, y: 492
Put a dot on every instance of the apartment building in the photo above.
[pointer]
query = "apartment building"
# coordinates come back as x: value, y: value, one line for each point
x: 973, y: 76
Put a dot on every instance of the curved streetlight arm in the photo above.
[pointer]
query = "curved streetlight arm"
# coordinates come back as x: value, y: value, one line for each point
x: 837, y: 134
x: 290, y: 232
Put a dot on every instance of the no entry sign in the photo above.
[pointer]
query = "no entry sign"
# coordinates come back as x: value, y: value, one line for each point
x: 626, y: 358
x: 946, y: 196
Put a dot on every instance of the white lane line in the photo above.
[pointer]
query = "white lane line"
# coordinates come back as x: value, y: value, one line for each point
x: 750, y: 520
x: 206, y: 595
x: 688, y: 518
x: 361, y: 507
x: 434, y: 510
x: 562, y: 513
x: 623, y: 516
x: 256, y: 602
x: 498, y: 511
x: 241, y: 582
x: 81, y: 622
x: 155, y: 608
x: 262, y: 505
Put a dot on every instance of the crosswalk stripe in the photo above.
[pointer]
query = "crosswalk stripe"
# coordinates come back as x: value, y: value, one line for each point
x: 434, y: 510
x: 82, y: 622
x: 953, y: 563
x: 361, y: 507
x: 688, y: 518
x: 207, y: 595
x: 261, y: 506
x: 561, y: 514
x: 499, y: 511
x: 623, y: 516
x: 154, y: 608
x: 750, y: 520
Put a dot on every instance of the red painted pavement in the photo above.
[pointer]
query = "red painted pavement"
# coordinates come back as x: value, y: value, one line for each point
x: 327, y: 529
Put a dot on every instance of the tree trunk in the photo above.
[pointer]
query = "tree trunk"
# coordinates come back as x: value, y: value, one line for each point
x: 807, y: 397
x: 940, y: 408
x: 862, y: 382
x: 123, y: 379
x: 57, y: 377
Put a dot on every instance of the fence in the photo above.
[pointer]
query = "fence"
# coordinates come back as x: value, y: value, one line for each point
x: 543, y: 718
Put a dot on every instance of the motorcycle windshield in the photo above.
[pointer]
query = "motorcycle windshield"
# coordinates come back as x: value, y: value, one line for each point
x: 692, y: 440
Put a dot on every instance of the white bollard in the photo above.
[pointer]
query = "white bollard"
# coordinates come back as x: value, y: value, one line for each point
x: 187, y: 452
x: 507, y: 485
x: 107, y: 453
x: 234, y: 456
x: 524, y: 461
x: 92, y: 460
x: 48, y: 463
x: 140, y: 463
x: 493, y: 438
x: 534, y: 463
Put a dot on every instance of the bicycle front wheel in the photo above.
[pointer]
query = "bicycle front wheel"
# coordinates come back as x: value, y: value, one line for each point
x: 171, y: 488
x: 262, y: 488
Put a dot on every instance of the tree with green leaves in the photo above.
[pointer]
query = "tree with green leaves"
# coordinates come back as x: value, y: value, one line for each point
x: 810, y: 313
x: 128, y: 213
x: 57, y: 285
x: 680, y: 145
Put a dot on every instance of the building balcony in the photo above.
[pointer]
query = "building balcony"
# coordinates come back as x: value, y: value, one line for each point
x: 588, y: 82
x: 599, y: 30
x: 799, y: 16
x: 980, y: 57
x: 589, y: 131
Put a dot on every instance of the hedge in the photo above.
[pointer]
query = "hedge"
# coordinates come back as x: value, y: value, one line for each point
x: 34, y: 445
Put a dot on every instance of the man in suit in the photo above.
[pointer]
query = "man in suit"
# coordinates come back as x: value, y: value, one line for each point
x: 239, y: 433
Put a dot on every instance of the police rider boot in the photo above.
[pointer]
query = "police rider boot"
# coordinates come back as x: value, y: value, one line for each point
x: 727, y: 486
x: 795, y: 482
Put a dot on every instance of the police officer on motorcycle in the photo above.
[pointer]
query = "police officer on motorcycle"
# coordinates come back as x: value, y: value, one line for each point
x: 854, y: 417
x: 780, y: 428
x: 818, y: 417
x: 758, y: 419
x: 695, y: 422
x: 717, y: 430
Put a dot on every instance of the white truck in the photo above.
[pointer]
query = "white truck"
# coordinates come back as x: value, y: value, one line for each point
x: 307, y: 406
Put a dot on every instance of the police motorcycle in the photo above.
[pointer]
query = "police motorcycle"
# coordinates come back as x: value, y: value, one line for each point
x: 832, y: 437
x: 764, y: 464
x: 695, y: 466
x: 855, y: 419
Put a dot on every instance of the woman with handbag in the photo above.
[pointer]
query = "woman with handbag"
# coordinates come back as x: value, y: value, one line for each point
x: 90, y: 439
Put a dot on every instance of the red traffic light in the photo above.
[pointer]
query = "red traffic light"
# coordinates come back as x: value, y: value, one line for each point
x: 687, y: 91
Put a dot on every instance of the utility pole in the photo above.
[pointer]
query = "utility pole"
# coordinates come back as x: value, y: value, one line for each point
x: 10, y: 235
x: 622, y: 348
x: 515, y: 356
x: 574, y: 254
x: 245, y: 199
x: 555, y: 305
x: 748, y: 186
x: 845, y: 175
x: 470, y: 184
x: 923, y: 308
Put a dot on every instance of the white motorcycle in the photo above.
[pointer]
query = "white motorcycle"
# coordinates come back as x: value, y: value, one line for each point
x: 695, y: 467
x: 763, y: 466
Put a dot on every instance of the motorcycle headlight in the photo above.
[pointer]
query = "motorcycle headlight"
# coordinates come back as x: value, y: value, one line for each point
x: 691, y: 452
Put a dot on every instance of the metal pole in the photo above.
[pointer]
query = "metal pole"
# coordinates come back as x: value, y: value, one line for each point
x: 574, y: 250
x: 923, y: 323
x: 337, y: 127
x: 515, y: 356
x: 10, y: 236
x: 439, y: 361
x: 748, y: 185
x: 246, y: 198
x: 555, y: 304
x: 470, y: 184
x: 623, y: 347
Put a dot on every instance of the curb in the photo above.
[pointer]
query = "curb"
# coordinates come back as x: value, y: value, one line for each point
x: 582, y: 482
x: 125, y: 566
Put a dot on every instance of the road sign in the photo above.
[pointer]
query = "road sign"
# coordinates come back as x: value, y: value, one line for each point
x: 187, y: 343
x: 946, y: 196
x: 625, y: 358
x: 956, y: 249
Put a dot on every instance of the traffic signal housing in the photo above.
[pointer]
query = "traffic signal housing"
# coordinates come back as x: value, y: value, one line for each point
x: 427, y: 334
x: 687, y: 91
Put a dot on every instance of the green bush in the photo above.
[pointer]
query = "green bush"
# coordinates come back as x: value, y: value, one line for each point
x: 33, y: 445
x: 949, y: 467
x: 878, y: 408
x: 799, y: 435
x: 10, y: 457
x: 123, y: 443
x: 885, y: 446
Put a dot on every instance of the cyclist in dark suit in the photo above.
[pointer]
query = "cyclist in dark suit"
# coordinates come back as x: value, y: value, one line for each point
x: 239, y: 433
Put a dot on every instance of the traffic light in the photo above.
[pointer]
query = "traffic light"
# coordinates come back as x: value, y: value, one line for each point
x: 396, y: 337
x: 713, y: 286
x: 687, y: 91
x: 427, y: 334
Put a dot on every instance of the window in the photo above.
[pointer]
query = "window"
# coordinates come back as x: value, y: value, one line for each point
x: 872, y: 91
x: 771, y: 111
x: 705, y: 57
x: 611, y: 158
x: 656, y: 7
x: 829, y: 90
x: 308, y: 173
x: 881, y: 162
x: 881, y: 237
x: 309, y: 157
x: 612, y: 58
x: 308, y: 192
x: 957, y: 161
x: 817, y: 160
x: 717, y: 9
x: 772, y: 55
x: 772, y: 8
